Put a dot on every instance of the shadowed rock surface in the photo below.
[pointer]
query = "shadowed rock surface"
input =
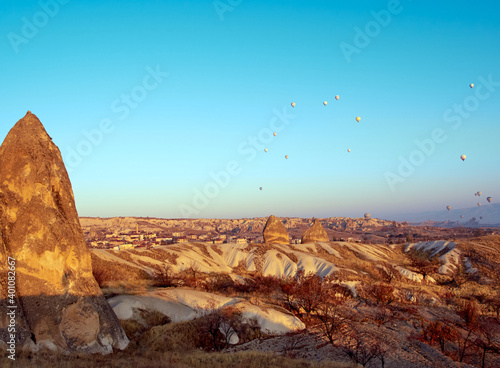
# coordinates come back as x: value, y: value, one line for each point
x: 275, y: 232
x: 315, y: 233
x: 59, y: 303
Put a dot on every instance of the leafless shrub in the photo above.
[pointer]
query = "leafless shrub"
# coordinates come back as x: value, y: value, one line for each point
x: 165, y: 277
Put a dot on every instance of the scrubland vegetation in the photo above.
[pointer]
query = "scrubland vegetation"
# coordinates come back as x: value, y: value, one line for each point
x: 364, y: 318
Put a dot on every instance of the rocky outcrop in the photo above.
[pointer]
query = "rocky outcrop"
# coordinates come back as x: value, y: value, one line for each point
x: 315, y: 233
x: 58, y: 302
x: 275, y: 232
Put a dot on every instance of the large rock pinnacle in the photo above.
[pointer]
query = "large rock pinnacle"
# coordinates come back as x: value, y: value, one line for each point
x: 315, y: 233
x: 59, y: 303
x: 275, y: 232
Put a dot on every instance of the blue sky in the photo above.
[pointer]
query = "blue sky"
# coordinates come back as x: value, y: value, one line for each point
x: 163, y: 108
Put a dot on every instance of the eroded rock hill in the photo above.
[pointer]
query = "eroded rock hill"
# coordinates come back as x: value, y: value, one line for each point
x: 315, y: 233
x: 275, y: 232
x: 59, y: 303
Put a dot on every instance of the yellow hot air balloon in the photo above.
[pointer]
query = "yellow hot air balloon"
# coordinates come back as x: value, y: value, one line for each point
x: 348, y: 150
x: 293, y: 104
x: 265, y: 149
x: 337, y: 97
x: 274, y: 134
x: 479, y: 204
x: 471, y: 85
x: 463, y: 157
x: 448, y: 208
x: 325, y: 103
x: 286, y: 156
x: 358, y: 119
x: 489, y: 199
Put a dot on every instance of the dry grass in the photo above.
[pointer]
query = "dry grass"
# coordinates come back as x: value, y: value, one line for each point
x: 155, y: 359
x: 106, y: 271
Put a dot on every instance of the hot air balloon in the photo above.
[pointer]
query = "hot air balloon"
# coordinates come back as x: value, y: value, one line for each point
x: 448, y: 208
x: 461, y: 216
x: 325, y: 103
x: 274, y: 134
x: 367, y: 215
x: 265, y: 149
x: 286, y: 156
x: 463, y: 157
x: 260, y: 188
x: 479, y: 194
x: 480, y: 217
x: 471, y: 85
x: 489, y: 199
x: 479, y: 204
x: 348, y: 150
x: 358, y: 119
x: 337, y: 97
x: 293, y: 104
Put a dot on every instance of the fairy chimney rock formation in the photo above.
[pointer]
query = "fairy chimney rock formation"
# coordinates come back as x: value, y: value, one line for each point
x: 59, y: 303
x: 275, y: 232
x: 315, y: 233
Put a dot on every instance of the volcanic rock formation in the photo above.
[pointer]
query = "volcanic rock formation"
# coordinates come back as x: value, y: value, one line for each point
x: 58, y: 302
x: 275, y: 232
x: 315, y: 233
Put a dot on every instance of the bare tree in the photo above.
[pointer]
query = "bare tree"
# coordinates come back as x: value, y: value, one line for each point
x: 359, y: 349
x: 380, y: 351
x: 220, y: 324
x: 488, y: 339
x: 332, y: 320
x: 309, y: 292
x: 165, y: 277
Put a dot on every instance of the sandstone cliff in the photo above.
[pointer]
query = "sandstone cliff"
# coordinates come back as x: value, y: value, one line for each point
x: 275, y: 232
x: 315, y: 233
x: 59, y: 303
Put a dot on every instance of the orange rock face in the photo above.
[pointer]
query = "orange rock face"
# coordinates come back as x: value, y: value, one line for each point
x: 58, y: 300
x: 275, y: 232
x: 315, y: 233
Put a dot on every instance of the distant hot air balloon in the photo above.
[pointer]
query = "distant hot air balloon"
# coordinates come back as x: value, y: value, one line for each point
x: 265, y: 149
x: 461, y: 216
x: 489, y: 199
x: 479, y: 204
x: 463, y: 157
x: 479, y: 194
x: 367, y: 215
x: 471, y: 85
x: 480, y: 217
x: 448, y: 208
x: 293, y: 104
x: 274, y: 134
x: 337, y: 97
x: 325, y: 103
x: 286, y: 156
x: 348, y: 150
x: 358, y: 119
x: 260, y: 188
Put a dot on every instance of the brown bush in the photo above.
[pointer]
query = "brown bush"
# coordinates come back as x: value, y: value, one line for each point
x: 106, y: 271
